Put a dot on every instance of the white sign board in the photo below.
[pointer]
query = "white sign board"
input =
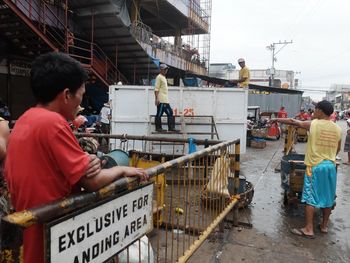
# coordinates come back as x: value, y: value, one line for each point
x: 99, y: 233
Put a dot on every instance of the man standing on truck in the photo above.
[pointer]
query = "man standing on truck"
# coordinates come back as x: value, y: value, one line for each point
x: 44, y: 162
x: 320, y: 176
x: 162, y: 100
x: 244, y: 75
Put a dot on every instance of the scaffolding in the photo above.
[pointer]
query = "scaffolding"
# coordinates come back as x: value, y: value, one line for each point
x: 199, y: 16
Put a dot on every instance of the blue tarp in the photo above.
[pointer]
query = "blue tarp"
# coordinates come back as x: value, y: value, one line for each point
x: 190, y: 82
x: 95, y: 96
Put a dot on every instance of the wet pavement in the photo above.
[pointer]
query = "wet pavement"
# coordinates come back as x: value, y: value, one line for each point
x: 270, y: 240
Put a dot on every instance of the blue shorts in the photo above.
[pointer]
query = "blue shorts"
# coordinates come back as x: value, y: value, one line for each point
x: 319, y: 187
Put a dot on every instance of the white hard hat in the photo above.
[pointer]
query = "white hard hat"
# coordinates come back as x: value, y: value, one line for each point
x: 163, y: 66
x: 241, y: 60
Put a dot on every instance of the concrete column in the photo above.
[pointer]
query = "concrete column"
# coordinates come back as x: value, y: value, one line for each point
x: 178, y: 40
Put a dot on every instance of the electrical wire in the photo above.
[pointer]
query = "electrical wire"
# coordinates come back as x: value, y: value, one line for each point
x: 308, y: 13
x: 265, y: 170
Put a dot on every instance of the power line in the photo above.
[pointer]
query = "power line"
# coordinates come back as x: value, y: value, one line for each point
x: 301, y: 16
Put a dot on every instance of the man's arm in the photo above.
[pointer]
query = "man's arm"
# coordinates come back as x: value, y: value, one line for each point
x: 107, y: 176
x: 94, y: 166
x: 242, y: 79
x: 156, y: 101
x: 339, y: 147
x: 294, y: 122
x: 236, y: 81
x: 156, y: 91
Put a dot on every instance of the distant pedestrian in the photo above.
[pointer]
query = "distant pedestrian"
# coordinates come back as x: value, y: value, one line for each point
x: 282, y: 113
x: 105, y: 117
x: 347, y: 142
x: 302, y: 115
x: 333, y: 117
x: 311, y: 113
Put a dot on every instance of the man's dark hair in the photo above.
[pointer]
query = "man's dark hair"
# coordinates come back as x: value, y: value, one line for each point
x: 53, y: 72
x: 325, y: 106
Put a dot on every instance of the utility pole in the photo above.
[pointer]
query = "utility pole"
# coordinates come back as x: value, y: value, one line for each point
x: 272, y: 47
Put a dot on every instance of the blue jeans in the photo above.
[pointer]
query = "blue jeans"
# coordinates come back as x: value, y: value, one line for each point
x: 164, y: 107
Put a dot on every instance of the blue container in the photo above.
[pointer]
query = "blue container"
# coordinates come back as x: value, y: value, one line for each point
x: 286, y: 167
x: 118, y: 157
x: 242, y: 185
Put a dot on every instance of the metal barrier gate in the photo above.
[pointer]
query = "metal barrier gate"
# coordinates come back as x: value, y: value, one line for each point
x: 190, y: 198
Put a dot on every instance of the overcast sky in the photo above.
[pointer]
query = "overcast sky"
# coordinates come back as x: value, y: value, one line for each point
x: 319, y: 30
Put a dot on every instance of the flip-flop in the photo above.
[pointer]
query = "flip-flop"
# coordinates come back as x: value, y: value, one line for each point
x: 322, y: 231
x: 300, y: 232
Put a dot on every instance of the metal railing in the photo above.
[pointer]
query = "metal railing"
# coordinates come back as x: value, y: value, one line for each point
x: 43, y: 18
x: 144, y: 34
x: 49, y: 20
x: 192, y: 195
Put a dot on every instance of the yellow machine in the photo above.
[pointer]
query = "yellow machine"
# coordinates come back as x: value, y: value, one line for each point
x: 302, y: 135
x: 290, y: 139
x: 159, y: 181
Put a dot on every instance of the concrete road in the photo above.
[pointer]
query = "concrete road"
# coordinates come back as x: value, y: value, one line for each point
x: 270, y: 240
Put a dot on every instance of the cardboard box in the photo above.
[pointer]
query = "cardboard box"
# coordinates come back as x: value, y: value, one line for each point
x: 258, y: 144
x: 259, y: 133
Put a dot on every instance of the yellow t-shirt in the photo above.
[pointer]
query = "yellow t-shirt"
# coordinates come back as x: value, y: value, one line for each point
x: 244, y: 73
x: 162, y: 88
x: 323, y: 142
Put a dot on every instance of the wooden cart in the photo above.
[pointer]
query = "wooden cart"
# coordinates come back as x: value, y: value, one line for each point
x: 302, y: 135
x: 292, y: 177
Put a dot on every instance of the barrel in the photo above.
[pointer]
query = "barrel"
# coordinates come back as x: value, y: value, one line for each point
x: 115, y: 158
x: 242, y: 185
x: 286, y: 167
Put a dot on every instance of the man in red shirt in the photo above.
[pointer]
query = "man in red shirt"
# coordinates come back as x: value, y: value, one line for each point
x: 303, y: 116
x: 282, y: 113
x: 44, y: 161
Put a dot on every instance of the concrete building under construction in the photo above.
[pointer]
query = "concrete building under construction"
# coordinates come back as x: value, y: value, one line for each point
x: 115, y: 40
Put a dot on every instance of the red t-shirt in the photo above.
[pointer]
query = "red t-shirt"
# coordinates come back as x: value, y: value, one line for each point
x: 303, y: 116
x: 282, y: 114
x: 44, y: 162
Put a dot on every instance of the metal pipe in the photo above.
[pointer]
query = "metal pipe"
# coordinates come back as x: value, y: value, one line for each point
x: 61, y: 207
x: 196, y: 244
x: 148, y: 138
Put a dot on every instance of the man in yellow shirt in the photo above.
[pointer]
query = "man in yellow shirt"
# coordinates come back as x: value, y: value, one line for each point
x: 162, y: 101
x: 320, y: 177
x: 244, y: 74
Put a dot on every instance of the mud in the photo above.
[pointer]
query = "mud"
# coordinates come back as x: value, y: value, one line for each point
x: 270, y: 240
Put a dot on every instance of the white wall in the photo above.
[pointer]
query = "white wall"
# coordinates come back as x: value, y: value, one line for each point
x: 133, y: 106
